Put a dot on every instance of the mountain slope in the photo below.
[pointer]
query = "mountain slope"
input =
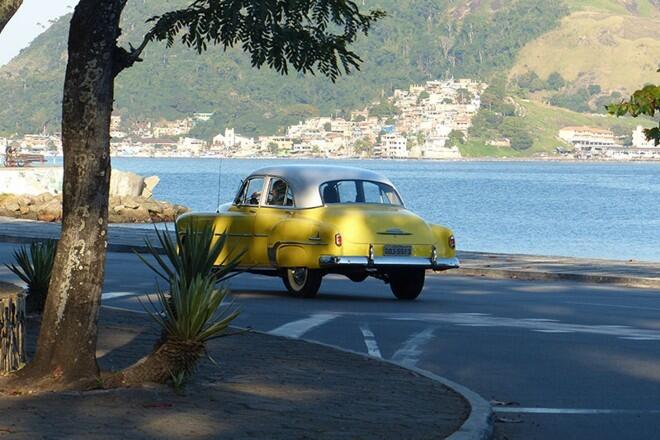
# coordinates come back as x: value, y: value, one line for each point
x: 615, y: 44
x: 419, y: 40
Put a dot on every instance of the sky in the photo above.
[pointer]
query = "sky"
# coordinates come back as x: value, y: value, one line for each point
x: 30, y: 21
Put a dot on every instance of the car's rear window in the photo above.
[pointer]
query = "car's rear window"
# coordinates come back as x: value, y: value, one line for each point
x: 359, y: 191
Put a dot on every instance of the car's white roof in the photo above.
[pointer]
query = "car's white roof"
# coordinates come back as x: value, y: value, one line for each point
x: 305, y: 180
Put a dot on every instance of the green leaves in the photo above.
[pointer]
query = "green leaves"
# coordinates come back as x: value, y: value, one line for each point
x: 192, y: 252
x: 643, y: 102
x: 193, y: 310
x: 34, y: 265
x: 309, y: 35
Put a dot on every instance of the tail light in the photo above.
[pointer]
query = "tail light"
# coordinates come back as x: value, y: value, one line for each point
x: 452, y: 242
x: 338, y: 239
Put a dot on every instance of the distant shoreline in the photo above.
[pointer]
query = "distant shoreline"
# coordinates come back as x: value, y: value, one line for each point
x: 464, y: 159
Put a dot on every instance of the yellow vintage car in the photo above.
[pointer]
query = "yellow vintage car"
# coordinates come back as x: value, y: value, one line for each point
x: 301, y: 222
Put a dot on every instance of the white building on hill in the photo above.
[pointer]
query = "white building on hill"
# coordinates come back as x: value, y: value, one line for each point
x: 393, y: 146
x: 639, y: 139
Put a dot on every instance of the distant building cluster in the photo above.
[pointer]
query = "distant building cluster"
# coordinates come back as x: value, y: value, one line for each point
x: 597, y: 143
x: 423, y: 121
x: 413, y: 123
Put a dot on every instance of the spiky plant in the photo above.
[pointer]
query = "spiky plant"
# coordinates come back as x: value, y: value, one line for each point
x: 193, y: 312
x: 192, y: 252
x: 34, y: 265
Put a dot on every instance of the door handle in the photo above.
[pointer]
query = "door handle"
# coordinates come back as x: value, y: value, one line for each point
x: 252, y: 211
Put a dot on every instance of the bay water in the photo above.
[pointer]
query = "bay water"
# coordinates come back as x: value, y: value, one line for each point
x: 598, y: 210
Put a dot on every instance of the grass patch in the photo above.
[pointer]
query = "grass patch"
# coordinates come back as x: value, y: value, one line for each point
x: 616, y: 51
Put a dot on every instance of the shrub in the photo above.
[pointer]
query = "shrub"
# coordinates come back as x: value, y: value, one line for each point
x: 192, y: 252
x: 193, y: 311
x: 34, y: 265
x: 555, y: 81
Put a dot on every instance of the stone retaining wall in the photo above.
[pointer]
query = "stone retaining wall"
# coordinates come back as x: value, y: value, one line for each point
x: 123, y: 209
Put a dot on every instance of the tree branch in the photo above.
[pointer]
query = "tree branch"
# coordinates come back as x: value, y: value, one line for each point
x: 7, y: 10
x: 126, y: 58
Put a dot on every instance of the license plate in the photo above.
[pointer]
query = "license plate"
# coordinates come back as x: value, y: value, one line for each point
x: 397, y: 250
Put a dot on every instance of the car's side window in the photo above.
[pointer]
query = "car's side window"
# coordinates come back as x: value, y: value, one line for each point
x: 279, y: 193
x: 359, y: 191
x: 240, y: 195
x: 347, y: 190
x: 373, y: 193
x: 252, y: 191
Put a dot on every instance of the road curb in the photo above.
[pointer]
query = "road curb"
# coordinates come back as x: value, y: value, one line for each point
x: 120, y: 248
x: 527, y: 275
x: 478, y: 425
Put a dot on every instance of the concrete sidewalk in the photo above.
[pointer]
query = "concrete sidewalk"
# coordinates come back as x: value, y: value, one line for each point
x: 534, y: 267
x: 263, y: 387
x: 525, y: 267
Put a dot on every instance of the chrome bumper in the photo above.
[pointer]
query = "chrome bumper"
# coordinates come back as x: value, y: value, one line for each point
x: 420, y: 262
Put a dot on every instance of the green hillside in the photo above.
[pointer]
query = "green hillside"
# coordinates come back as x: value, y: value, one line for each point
x: 615, y: 44
x: 543, y: 123
x: 419, y: 40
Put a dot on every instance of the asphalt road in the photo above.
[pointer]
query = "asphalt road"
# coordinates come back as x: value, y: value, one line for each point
x: 564, y: 360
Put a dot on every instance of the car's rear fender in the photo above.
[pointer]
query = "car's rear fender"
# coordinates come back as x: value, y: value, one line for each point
x: 443, y: 237
x: 223, y: 223
x: 300, y: 242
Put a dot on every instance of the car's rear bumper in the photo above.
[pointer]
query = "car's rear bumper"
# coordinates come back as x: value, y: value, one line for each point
x: 387, y: 261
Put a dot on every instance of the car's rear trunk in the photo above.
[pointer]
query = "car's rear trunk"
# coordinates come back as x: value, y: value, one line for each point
x: 379, y: 224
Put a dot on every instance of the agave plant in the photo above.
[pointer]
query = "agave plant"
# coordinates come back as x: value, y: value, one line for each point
x: 34, y: 265
x: 194, y: 310
x: 192, y: 252
x: 191, y: 314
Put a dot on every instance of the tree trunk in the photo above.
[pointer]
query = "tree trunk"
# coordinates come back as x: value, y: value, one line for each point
x: 66, y: 348
x: 7, y: 10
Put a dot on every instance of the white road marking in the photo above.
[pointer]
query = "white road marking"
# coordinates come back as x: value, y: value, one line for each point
x: 409, y: 353
x: 514, y: 410
x: 370, y: 341
x: 113, y: 295
x: 533, y: 324
x: 296, y: 329
x: 613, y: 305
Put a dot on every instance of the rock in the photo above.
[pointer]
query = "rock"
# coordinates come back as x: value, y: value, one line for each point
x: 10, y: 203
x: 141, y: 214
x: 45, y: 217
x: 44, y: 197
x: 122, y: 209
x: 123, y: 183
x: 149, y: 185
x: 50, y: 211
x: 131, y: 203
x: 153, y: 206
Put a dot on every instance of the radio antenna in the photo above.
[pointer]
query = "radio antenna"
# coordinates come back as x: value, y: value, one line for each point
x: 217, y: 209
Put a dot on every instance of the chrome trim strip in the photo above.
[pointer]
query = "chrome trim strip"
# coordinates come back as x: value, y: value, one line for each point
x: 394, y: 231
x: 233, y: 234
x: 439, y: 264
x: 298, y: 243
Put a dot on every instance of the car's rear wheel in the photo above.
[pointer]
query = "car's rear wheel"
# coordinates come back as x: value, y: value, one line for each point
x: 407, y: 284
x: 302, y: 282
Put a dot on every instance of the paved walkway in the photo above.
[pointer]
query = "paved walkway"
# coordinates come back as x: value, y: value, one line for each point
x: 528, y: 267
x: 264, y: 387
x: 534, y: 267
